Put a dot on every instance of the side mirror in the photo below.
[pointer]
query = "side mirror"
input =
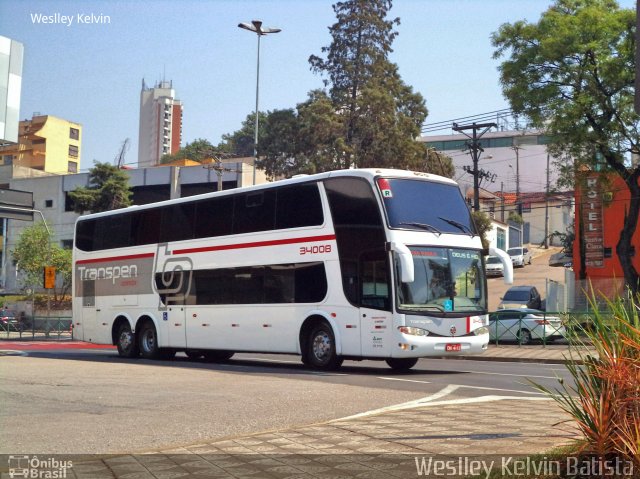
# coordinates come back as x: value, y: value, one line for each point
x: 405, y: 260
x: 506, y: 264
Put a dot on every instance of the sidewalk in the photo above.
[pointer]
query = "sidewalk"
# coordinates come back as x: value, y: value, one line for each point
x: 536, y: 353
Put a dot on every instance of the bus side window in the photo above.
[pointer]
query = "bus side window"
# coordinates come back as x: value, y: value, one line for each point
x: 374, y: 271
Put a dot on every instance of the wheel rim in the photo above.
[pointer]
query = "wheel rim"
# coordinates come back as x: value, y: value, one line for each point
x: 148, y: 340
x: 322, y: 346
x: 126, y: 339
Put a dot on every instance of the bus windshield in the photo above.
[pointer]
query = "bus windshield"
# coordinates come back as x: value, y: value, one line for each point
x: 425, y: 205
x: 447, y: 280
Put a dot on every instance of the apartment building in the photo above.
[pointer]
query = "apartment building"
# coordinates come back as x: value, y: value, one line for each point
x: 160, y: 123
x: 46, y: 144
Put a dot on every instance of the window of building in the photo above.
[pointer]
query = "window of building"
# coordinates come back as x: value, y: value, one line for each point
x: 74, y: 133
x: 73, y: 151
x: 48, y: 203
x: 66, y: 244
x: 38, y: 141
x: 72, y: 167
x: 526, y: 207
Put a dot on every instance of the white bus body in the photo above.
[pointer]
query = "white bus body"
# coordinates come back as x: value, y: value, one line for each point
x: 380, y: 264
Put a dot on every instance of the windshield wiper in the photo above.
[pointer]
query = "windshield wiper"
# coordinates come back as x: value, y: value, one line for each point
x: 424, y: 226
x: 458, y: 225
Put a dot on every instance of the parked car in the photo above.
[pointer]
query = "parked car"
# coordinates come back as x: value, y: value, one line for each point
x: 525, y: 325
x: 521, y: 297
x: 520, y: 256
x: 8, y: 320
x: 494, y: 266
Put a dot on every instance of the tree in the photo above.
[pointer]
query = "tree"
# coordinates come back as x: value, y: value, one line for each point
x: 572, y: 74
x: 241, y: 142
x: 108, y: 190
x: 198, y: 150
x: 382, y: 115
x: 483, y: 225
x: 34, y: 250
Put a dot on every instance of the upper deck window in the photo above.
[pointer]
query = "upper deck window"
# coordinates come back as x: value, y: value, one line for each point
x: 425, y: 206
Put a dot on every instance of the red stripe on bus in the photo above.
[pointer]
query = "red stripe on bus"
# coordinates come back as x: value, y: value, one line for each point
x: 116, y: 258
x: 256, y: 244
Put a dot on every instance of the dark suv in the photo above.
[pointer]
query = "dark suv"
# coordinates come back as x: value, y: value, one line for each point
x: 521, y: 297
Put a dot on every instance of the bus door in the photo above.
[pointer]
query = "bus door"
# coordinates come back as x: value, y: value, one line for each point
x: 375, y: 304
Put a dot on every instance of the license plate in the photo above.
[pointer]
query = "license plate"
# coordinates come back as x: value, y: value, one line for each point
x: 453, y: 347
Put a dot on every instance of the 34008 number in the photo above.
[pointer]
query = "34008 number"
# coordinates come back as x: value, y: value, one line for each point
x: 317, y: 249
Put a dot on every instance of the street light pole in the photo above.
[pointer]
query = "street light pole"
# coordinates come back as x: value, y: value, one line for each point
x: 256, y: 27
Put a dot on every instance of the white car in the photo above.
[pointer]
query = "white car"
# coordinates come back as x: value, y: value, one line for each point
x: 494, y: 266
x: 525, y: 325
x: 520, y: 256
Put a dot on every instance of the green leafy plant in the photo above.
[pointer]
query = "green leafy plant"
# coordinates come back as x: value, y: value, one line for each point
x: 604, y: 400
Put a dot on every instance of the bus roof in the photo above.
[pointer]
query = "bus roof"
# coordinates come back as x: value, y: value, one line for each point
x: 368, y: 173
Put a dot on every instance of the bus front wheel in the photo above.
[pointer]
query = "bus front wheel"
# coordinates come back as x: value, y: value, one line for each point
x: 321, y: 353
x: 126, y: 342
x: 401, y: 364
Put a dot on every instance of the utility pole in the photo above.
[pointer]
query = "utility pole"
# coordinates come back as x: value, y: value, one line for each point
x: 518, y: 205
x: 546, y: 210
x: 475, y: 148
x: 502, y: 201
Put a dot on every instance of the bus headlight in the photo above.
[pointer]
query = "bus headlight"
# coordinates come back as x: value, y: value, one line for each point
x: 481, y: 331
x: 413, y: 331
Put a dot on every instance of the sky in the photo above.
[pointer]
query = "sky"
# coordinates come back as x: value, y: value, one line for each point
x: 92, y: 73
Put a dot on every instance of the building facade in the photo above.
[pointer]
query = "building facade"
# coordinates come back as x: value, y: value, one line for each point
x: 46, y: 144
x: 160, y: 123
x: 602, y: 203
x: 11, y: 56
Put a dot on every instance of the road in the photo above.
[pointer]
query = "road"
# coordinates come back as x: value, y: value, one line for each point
x: 91, y: 401
x: 535, y: 274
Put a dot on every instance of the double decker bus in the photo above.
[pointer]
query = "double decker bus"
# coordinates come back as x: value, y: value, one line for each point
x: 352, y: 264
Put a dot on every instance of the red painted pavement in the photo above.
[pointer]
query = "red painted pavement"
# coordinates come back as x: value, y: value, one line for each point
x: 47, y: 345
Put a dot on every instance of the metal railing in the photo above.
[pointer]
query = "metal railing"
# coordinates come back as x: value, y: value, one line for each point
x: 38, y: 327
x: 534, y: 328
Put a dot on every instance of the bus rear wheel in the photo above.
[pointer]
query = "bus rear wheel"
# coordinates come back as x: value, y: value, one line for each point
x: 401, y: 364
x: 148, y: 341
x: 321, y: 352
x: 126, y: 342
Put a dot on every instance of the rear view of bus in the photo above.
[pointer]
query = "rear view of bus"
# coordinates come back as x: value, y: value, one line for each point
x: 352, y: 264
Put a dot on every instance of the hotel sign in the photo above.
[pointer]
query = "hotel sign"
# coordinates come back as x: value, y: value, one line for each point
x: 593, y: 228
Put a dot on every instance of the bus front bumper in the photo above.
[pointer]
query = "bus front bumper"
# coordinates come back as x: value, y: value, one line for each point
x: 409, y: 346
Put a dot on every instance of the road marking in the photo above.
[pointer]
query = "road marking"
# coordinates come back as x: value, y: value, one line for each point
x: 462, y: 386
x: 429, y: 401
x: 506, y: 374
x: 407, y: 405
x: 405, y: 380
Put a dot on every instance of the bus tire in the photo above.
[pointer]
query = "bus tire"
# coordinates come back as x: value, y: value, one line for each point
x: 148, y: 341
x: 321, y: 353
x: 126, y: 342
x: 217, y: 355
x: 401, y: 364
